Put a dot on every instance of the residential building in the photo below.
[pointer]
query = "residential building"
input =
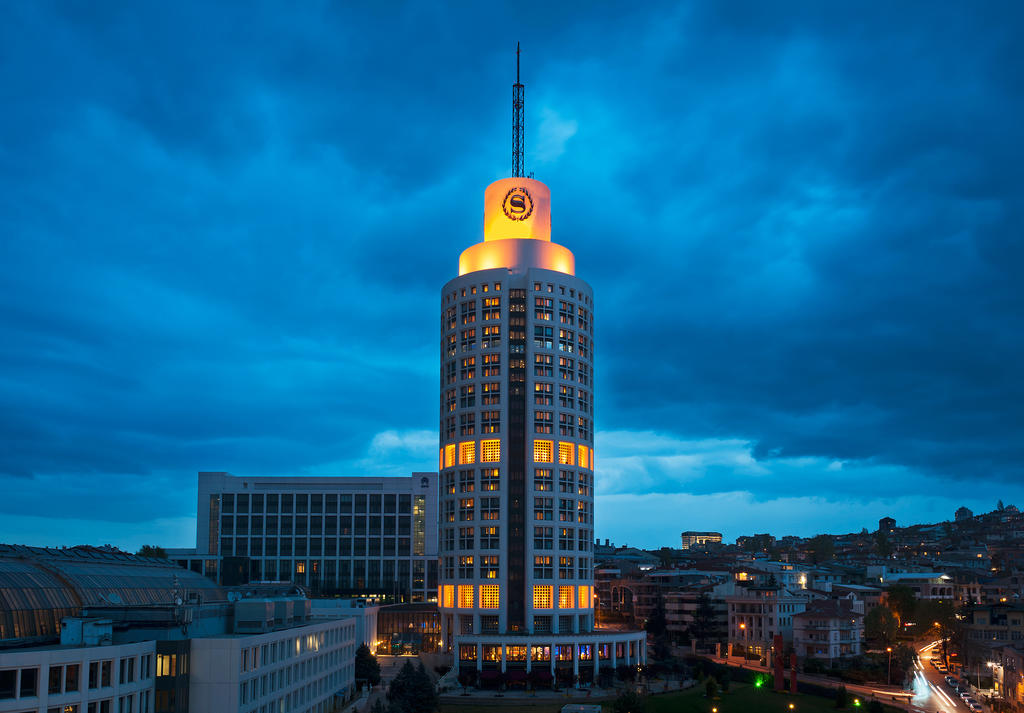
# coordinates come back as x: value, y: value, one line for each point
x: 829, y: 629
x: 691, y: 538
x: 757, y: 614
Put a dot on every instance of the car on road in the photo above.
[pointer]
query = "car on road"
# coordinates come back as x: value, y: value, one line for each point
x: 950, y: 680
x: 975, y: 706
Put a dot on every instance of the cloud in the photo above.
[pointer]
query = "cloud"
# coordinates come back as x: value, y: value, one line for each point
x: 554, y: 134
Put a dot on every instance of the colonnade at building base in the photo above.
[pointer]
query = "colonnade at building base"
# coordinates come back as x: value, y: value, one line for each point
x: 550, y: 652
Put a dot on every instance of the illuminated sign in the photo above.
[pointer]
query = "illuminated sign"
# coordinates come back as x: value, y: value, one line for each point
x: 518, y: 204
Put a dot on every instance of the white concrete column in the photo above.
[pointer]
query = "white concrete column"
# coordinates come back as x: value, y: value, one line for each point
x: 615, y: 656
x: 575, y: 660
x: 529, y: 658
x: 479, y: 657
x: 504, y: 649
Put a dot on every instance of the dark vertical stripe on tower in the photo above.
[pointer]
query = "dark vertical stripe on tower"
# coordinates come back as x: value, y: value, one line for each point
x: 516, y: 461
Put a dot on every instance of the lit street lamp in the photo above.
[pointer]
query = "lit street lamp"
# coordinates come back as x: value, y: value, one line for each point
x: 888, y: 677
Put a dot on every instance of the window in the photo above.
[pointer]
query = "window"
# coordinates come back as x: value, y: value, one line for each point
x: 542, y: 365
x: 489, y: 567
x: 583, y: 427
x: 467, y: 540
x: 542, y: 393
x: 543, y: 597
x: 448, y: 320
x: 583, y: 486
x: 490, y: 595
x: 466, y: 596
x: 583, y: 347
x: 542, y: 451
x: 543, y: 337
x: 468, y: 370
x: 566, y: 597
x: 492, y: 365
x: 449, y: 567
x: 466, y: 509
x: 583, y: 511
x: 583, y: 400
x: 566, y: 481
x: 468, y: 311
x: 583, y: 564
x: 566, y: 538
x: 541, y: 625
x: 542, y: 538
x: 492, y: 308
x: 467, y: 427
x: 491, y: 393
x: 449, y: 511
x: 542, y: 568
x: 490, y: 421
x: 489, y: 539
x: 584, y: 460
x: 584, y: 318
x: 466, y: 567
x: 449, y: 455
x: 566, y: 425
x: 448, y: 483
x: 492, y: 337
x: 467, y: 397
x: 489, y: 508
x: 542, y: 479
x: 543, y: 308
x: 489, y: 480
x: 467, y: 452
x: 566, y: 453
x: 448, y: 595
x: 466, y: 481
x: 468, y: 342
x: 566, y: 340
x: 584, y: 374
x: 565, y: 510
x: 543, y: 509
x: 566, y: 568
x: 448, y: 539
x: 490, y: 451
x: 585, y: 600
x: 448, y: 370
x: 566, y: 369
x: 565, y: 396
x: 565, y: 312
x: 542, y: 422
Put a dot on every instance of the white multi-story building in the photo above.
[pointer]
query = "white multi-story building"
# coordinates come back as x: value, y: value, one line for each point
x: 516, y: 448
x: 757, y: 614
x: 829, y: 629
x: 346, y: 535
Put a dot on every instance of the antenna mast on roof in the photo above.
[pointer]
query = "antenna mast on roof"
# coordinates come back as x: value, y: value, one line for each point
x: 517, y: 123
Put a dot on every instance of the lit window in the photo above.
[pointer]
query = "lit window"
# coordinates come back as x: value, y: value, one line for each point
x: 585, y: 597
x: 449, y: 455
x: 542, y: 451
x: 440, y: 459
x: 489, y: 566
x: 490, y: 451
x: 466, y: 568
x: 584, y: 461
x: 565, y: 597
x: 542, y: 567
x: 467, y: 452
x: 565, y: 454
x: 542, y: 596
x: 490, y: 597
x: 466, y: 596
x: 448, y: 595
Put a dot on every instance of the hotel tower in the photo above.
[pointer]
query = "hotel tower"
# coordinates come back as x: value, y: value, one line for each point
x: 517, y: 448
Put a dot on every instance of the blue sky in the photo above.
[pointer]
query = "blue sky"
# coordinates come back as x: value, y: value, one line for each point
x: 224, y: 228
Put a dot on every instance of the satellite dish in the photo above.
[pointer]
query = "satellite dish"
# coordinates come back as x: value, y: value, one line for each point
x: 177, y: 600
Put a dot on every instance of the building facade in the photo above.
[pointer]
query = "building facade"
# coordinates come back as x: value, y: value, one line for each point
x: 346, y: 535
x: 830, y: 629
x: 516, y: 440
x: 691, y: 538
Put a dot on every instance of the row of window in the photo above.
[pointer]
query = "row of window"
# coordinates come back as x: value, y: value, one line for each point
x: 301, y: 546
x: 485, y: 287
x: 490, y: 538
x: 465, y: 453
x: 465, y: 596
x: 569, y: 510
x: 465, y: 369
x: 453, y: 296
x: 543, y: 652
x: 569, y: 481
x: 303, y: 503
x: 568, y: 567
x: 330, y: 525
x: 66, y: 678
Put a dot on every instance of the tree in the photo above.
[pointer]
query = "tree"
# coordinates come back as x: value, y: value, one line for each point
x: 841, y: 696
x: 705, y: 621
x: 366, y: 668
x: 710, y: 687
x: 152, y: 551
x: 881, y: 625
x: 656, y: 623
x: 1000, y: 507
x: 822, y: 547
x: 412, y: 691
x: 882, y: 545
x: 629, y: 702
x: 902, y: 600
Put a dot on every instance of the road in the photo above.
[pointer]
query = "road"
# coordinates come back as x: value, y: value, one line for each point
x: 931, y: 692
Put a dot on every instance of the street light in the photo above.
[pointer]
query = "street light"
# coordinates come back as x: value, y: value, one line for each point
x: 888, y: 677
x: 743, y: 628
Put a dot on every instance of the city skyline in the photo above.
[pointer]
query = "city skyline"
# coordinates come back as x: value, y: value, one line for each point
x: 802, y: 244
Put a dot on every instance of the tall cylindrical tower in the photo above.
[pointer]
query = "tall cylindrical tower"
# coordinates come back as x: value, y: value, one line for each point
x: 516, y: 428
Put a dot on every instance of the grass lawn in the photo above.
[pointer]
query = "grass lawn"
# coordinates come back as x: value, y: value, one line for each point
x: 740, y: 699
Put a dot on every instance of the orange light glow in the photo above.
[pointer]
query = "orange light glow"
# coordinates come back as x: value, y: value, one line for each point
x: 566, y: 598
x: 517, y: 208
x: 490, y: 451
x: 584, y: 461
x: 584, y: 597
x: 565, y: 454
x: 467, y: 453
x: 517, y: 256
x: 490, y: 596
x: 449, y: 455
x: 466, y: 596
x: 542, y: 596
x: 448, y: 595
x: 543, y: 451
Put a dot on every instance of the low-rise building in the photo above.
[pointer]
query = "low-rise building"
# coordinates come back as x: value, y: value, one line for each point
x: 829, y: 629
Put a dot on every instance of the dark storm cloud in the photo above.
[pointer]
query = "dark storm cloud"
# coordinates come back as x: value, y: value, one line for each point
x: 224, y: 230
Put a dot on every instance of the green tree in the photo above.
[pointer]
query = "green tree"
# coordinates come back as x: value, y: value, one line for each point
x: 822, y: 547
x: 152, y: 551
x: 412, y: 691
x: 656, y: 623
x: 841, y: 696
x: 629, y: 702
x: 882, y: 545
x: 366, y: 666
x: 881, y: 626
x: 711, y: 687
x: 902, y: 600
x: 706, y: 624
